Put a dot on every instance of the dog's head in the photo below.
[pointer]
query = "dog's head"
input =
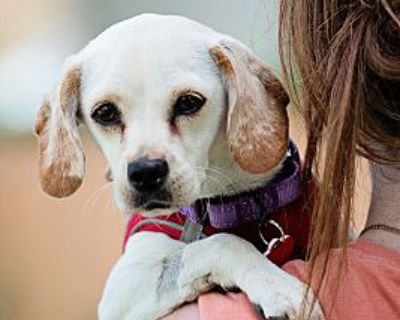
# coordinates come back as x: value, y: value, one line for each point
x: 168, y: 101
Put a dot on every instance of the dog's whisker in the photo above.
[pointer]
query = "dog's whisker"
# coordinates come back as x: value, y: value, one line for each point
x: 93, y: 197
x: 87, y: 213
x: 221, y: 174
x: 222, y: 188
x: 218, y: 171
x: 103, y: 212
x: 114, y: 210
x: 109, y: 209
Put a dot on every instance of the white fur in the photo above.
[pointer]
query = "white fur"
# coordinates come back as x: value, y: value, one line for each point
x: 133, y: 290
x: 135, y: 64
x: 136, y: 61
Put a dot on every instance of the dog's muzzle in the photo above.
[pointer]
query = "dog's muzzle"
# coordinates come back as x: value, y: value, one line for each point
x: 148, y: 177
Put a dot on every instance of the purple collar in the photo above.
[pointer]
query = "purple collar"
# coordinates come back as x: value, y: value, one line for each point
x: 231, y: 211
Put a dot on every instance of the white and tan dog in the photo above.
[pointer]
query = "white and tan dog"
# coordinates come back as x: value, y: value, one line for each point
x: 168, y: 101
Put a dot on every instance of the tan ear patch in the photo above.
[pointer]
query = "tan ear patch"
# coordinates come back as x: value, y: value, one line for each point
x: 256, y: 147
x: 70, y: 91
x: 61, y: 158
x: 42, y: 118
x: 56, y: 179
x: 64, y: 187
x: 222, y: 60
x: 257, y: 128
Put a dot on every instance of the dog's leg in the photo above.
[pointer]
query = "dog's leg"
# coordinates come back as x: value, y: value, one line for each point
x: 229, y: 261
x: 142, y: 284
x: 158, y: 274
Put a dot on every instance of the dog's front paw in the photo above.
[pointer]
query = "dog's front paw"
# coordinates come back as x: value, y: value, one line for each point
x: 228, y: 261
x: 205, y: 264
x: 283, y: 298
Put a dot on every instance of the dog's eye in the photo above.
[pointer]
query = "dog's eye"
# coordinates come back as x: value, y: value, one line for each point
x: 107, y: 114
x: 188, y: 104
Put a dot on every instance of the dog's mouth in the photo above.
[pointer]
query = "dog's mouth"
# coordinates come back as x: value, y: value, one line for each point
x: 153, y: 201
x: 154, y: 205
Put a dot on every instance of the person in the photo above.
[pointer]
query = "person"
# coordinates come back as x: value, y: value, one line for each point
x: 341, y: 61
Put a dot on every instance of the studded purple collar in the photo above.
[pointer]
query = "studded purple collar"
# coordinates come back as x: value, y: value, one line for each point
x: 231, y: 211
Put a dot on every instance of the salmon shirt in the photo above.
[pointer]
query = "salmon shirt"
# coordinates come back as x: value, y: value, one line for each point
x: 370, y: 288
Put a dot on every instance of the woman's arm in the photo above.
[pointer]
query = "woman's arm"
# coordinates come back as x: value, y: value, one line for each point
x: 217, y: 306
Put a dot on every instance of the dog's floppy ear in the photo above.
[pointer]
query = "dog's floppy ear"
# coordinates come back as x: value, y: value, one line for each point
x: 257, y: 124
x: 61, y: 158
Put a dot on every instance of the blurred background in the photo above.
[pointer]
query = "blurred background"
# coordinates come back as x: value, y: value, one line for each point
x: 56, y: 254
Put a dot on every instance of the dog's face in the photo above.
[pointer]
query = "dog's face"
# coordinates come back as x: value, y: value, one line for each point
x: 166, y: 99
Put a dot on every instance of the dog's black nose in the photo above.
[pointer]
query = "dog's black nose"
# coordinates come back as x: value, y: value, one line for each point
x: 147, y: 175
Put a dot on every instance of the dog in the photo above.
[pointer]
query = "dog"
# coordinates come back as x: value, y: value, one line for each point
x: 180, y: 112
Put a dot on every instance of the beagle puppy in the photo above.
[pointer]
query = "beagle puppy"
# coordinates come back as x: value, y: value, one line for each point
x: 180, y: 112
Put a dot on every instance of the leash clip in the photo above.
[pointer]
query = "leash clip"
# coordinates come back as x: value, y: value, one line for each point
x: 278, y: 249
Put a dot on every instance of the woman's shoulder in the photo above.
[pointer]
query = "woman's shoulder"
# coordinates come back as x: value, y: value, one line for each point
x: 367, y: 251
x: 358, y: 252
x: 371, y: 274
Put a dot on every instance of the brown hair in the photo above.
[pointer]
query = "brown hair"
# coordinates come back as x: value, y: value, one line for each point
x: 341, y: 62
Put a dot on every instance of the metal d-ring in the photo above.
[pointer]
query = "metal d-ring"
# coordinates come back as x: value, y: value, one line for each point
x: 273, y: 223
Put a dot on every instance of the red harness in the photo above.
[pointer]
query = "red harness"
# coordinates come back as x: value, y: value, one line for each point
x: 294, y: 219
